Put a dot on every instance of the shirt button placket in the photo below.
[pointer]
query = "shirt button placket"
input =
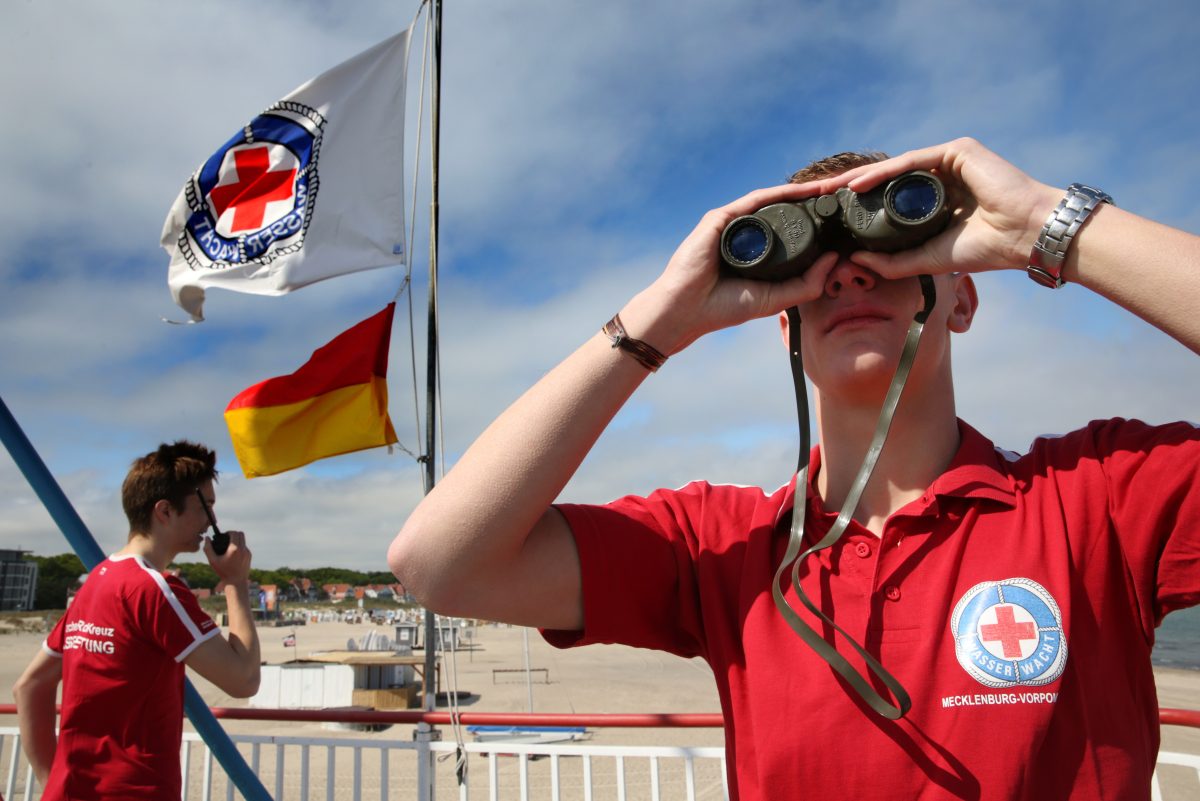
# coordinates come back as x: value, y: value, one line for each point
x: 889, y: 561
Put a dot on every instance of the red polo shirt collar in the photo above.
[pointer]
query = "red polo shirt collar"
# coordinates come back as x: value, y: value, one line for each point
x: 975, y: 473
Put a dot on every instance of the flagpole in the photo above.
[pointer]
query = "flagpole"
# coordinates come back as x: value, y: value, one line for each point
x: 424, y: 730
x: 431, y: 364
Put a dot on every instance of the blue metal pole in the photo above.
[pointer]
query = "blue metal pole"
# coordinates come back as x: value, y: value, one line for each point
x: 77, y: 534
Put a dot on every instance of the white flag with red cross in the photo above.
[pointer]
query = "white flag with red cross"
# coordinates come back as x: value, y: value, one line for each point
x: 310, y: 189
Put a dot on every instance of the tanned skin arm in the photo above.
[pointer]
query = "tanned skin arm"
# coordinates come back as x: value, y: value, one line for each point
x: 35, y: 694
x: 487, y: 528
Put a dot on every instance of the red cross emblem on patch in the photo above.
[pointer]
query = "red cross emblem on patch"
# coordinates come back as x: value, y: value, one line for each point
x: 1015, y: 637
x: 1009, y: 633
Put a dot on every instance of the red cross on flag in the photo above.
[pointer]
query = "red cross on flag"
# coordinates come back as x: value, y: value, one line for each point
x: 310, y: 189
x: 250, y: 186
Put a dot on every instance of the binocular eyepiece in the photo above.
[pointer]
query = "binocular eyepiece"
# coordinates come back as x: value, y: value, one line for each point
x: 784, y: 239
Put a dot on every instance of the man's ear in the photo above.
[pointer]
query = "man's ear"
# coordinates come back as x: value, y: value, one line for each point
x: 966, y: 302
x: 784, y: 328
x: 163, y: 511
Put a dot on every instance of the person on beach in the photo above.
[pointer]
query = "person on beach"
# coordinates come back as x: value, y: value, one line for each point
x: 120, y: 649
x: 1014, y: 596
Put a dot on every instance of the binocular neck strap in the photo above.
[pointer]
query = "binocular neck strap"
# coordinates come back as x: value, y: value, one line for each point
x: 793, y: 557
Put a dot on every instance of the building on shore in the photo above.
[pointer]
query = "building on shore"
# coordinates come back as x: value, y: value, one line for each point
x: 18, y: 581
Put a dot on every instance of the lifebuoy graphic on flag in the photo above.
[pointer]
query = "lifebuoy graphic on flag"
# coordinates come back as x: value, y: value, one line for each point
x: 1008, y: 633
x: 252, y: 200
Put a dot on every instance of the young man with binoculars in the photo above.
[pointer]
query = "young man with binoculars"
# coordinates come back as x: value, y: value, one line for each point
x: 1012, y: 598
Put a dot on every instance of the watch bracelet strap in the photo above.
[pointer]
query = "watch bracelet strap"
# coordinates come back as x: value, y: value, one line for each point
x: 1050, y: 250
x: 646, y: 355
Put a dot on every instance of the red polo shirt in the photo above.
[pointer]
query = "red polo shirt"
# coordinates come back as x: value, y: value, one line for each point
x: 123, y: 642
x: 1016, y: 601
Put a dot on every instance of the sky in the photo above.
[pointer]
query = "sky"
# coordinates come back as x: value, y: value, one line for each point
x: 580, y: 144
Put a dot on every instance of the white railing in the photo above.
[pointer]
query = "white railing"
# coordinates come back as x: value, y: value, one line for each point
x: 1183, y: 785
x: 355, y: 769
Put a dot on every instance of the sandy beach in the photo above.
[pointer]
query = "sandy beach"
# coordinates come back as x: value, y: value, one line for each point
x: 606, y: 679
x: 596, y: 679
x: 601, y: 678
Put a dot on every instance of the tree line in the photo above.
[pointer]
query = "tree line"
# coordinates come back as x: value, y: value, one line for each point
x: 57, y: 574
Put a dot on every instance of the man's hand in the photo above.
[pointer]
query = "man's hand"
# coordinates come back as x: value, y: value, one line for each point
x: 1147, y: 268
x: 233, y: 664
x: 1000, y: 210
x: 233, y: 566
x: 693, y: 296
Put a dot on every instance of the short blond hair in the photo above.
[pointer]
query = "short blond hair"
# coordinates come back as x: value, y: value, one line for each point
x: 836, y: 165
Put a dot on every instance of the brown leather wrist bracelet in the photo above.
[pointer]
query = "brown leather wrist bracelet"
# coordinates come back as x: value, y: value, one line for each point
x: 647, y: 356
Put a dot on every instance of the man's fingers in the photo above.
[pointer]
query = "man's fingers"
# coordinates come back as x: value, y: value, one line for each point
x: 802, y: 288
x: 896, y: 265
x: 937, y: 157
x: 752, y: 202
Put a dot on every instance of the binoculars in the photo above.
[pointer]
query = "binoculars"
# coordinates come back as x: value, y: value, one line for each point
x: 784, y: 239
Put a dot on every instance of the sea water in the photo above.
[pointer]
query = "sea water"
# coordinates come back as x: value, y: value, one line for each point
x: 1177, y: 641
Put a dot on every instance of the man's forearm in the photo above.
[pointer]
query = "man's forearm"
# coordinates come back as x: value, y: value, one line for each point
x: 485, y: 542
x: 480, y: 514
x: 1150, y: 269
x: 35, y: 719
x: 243, y: 634
x: 487, y: 526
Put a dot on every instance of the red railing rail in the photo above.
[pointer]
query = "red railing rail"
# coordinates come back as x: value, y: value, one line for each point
x: 1179, y: 717
x: 597, y: 720
x: 1167, y: 717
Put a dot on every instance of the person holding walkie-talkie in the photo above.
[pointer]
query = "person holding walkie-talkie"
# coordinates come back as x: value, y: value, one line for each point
x: 120, y: 649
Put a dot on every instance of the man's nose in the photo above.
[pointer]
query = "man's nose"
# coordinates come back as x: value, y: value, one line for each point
x: 848, y: 275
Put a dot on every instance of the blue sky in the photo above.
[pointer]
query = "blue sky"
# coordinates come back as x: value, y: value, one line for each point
x: 581, y: 142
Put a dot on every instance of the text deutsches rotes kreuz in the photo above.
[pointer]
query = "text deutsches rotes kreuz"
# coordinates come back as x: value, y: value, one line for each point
x: 84, y: 636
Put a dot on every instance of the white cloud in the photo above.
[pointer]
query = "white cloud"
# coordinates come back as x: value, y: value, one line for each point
x: 580, y: 143
x: 1037, y: 363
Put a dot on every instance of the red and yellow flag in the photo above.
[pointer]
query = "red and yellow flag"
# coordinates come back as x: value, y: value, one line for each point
x: 335, y: 403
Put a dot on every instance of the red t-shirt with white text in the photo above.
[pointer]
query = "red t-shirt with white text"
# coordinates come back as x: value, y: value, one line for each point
x: 123, y: 642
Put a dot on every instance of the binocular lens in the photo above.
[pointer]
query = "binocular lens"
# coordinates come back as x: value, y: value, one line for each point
x: 747, y: 241
x: 782, y: 240
x: 914, y: 198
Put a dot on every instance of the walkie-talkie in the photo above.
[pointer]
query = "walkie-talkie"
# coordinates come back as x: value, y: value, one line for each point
x: 220, y: 540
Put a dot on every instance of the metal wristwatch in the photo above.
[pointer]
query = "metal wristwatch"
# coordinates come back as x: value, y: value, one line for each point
x: 1050, y: 250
